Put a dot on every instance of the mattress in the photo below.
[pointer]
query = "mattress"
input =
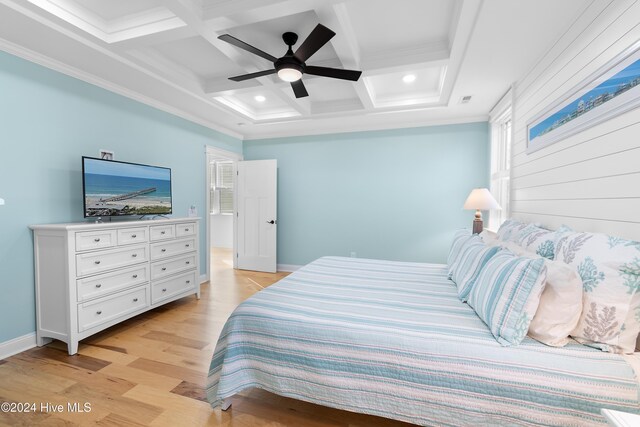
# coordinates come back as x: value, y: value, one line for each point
x: 392, y: 339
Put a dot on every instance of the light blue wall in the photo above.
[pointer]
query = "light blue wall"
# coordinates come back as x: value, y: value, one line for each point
x: 48, y: 121
x: 394, y: 194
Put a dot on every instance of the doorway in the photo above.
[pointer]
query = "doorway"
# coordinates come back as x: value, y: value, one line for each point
x: 220, y: 216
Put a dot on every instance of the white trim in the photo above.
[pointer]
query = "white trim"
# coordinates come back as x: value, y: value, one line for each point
x: 505, y: 104
x: 17, y: 345
x: 312, y: 129
x: 76, y: 73
x: 288, y: 267
x: 210, y: 152
x: 204, y: 278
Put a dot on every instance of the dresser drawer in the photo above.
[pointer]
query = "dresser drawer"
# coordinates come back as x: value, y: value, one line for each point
x: 168, y: 267
x: 168, y: 288
x: 167, y: 249
x: 161, y: 232
x: 128, y: 236
x: 89, y: 240
x: 186, y: 229
x: 103, y: 310
x: 107, y: 283
x: 98, y: 262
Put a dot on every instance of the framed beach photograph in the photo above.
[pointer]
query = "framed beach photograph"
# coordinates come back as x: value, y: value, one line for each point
x: 610, y: 91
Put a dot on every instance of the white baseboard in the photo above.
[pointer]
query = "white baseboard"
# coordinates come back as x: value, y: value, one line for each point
x: 17, y: 345
x: 203, y: 278
x: 288, y: 267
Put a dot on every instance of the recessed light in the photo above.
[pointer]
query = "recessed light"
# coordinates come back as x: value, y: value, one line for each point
x: 259, y: 98
x: 409, y: 78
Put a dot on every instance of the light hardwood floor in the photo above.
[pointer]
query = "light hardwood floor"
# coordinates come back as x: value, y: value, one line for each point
x: 150, y: 370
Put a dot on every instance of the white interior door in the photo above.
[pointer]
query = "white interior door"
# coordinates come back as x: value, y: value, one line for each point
x: 257, y: 220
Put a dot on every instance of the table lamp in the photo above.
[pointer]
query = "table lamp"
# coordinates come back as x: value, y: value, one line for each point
x: 480, y: 199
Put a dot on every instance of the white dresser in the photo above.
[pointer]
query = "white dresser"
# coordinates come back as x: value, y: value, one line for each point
x: 90, y: 276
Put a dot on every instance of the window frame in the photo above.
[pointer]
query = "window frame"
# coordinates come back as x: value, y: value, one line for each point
x: 501, y: 130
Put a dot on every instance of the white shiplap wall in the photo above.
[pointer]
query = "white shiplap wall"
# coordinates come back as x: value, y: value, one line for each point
x: 590, y: 180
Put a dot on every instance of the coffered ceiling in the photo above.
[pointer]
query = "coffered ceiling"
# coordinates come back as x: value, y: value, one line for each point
x: 419, y: 57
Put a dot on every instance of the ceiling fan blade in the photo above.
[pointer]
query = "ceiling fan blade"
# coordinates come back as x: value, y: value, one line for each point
x: 335, y: 73
x: 318, y: 38
x: 242, y: 45
x: 299, y: 89
x: 252, y: 75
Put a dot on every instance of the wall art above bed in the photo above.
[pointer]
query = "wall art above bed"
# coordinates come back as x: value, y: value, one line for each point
x: 610, y: 91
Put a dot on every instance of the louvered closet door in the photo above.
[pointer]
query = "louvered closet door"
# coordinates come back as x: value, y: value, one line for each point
x: 257, y: 221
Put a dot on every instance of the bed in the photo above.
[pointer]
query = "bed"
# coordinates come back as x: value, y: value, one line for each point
x: 392, y: 339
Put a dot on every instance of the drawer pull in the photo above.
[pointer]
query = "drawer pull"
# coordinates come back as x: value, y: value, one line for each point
x: 186, y: 229
x: 188, y: 281
x: 135, y: 300
x: 186, y: 246
x: 135, y: 276
x: 99, y: 312
x: 96, y: 262
x: 98, y: 285
x: 164, y: 289
x: 163, y: 250
x: 133, y: 236
x: 163, y: 232
x: 164, y: 268
x: 134, y: 255
x: 188, y: 262
x: 96, y: 240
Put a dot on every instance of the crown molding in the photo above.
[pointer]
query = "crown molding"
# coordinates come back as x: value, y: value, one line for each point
x: 76, y: 73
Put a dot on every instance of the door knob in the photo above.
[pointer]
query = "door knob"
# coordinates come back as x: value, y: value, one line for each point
x: 271, y: 222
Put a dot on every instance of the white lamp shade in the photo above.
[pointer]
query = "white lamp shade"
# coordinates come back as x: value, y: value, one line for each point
x: 481, y: 199
x: 1, y: 202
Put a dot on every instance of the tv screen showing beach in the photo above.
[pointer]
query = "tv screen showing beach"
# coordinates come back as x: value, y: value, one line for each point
x: 116, y: 188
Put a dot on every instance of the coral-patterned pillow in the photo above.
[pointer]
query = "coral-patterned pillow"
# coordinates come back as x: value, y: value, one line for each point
x: 610, y: 271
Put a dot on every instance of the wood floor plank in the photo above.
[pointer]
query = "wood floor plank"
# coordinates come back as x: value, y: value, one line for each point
x: 179, y: 372
x: 190, y: 390
x: 79, y: 360
x: 174, y: 339
x: 188, y: 411
x: 115, y: 420
x: 128, y: 408
x: 138, y: 376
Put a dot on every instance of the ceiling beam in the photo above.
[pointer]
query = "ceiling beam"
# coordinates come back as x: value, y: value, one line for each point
x: 345, y: 43
x: 464, y: 23
x: 190, y: 13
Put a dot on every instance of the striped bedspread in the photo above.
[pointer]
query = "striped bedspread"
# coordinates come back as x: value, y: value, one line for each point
x: 392, y: 339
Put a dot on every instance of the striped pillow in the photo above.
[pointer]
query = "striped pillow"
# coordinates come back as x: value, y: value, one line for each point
x: 506, y: 295
x: 459, y: 238
x: 473, y: 256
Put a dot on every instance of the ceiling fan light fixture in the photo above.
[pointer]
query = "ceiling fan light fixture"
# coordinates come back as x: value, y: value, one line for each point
x: 289, y: 74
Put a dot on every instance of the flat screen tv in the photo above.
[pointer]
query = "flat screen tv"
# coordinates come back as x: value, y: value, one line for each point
x: 114, y: 188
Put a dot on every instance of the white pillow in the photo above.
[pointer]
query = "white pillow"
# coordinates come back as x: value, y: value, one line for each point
x: 610, y: 271
x: 560, y: 304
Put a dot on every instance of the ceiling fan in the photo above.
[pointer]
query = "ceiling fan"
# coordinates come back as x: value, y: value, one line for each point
x: 292, y: 66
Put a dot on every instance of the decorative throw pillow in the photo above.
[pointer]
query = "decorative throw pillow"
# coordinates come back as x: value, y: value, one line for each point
x: 489, y: 237
x: 506, y: 295
x: 539, y: 240
x: 610, y: 271
x: 473, y: 256
x: 509, y: 228
x: 459, y: 237
x: 560, y: 305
